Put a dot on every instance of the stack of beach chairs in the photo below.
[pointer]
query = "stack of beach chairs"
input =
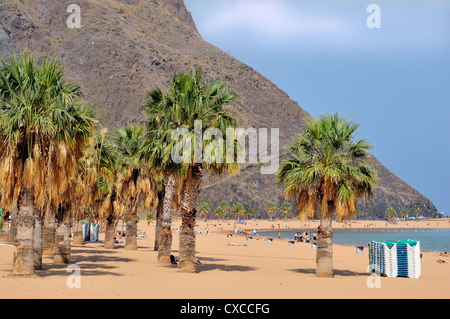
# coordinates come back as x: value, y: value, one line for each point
x: 395, y: 259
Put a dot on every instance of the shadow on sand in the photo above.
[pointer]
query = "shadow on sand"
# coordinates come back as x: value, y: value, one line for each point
x: 92, y: 262
x: 209, y: 264
x: 337, y: 272
x: 221, y: 267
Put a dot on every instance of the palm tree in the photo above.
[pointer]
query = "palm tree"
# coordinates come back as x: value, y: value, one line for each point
x: 13, y: 225
x: 149, y: 218
x: 107, y: 204
x: 218, y: 212
x: 160, y: 193
x: 330, y: 169
x: 48, y: 240
x: 222, y: 209
x: 86, y: 190
x: 404, y: 213
x: 44, y: 127
x: 77, y: 197
x: 417, y: 210
x: 272, y: 209
x: 238, y: 210
x: 391, y: 213
x: 204, y: 208
x: 188, y: 103
x: 286, y: 209
x: 118, y: 190
x: 253, y: 212
x: 206, y: 103
x: 62, y: 250
x: 134, y: 180
x: 159, y: 111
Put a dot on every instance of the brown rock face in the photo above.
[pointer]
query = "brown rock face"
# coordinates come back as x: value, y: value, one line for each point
x: 126, y: 47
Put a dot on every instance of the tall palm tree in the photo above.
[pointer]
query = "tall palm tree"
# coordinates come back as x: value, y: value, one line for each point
x: 189, y: 102
x: 272, y: 209
x: 204, y: 208
x: 328, y: 168
x: 404, y: 213
x: 222, y: 209
x: 286, y: 209
x: 391, y: 213
x: 160, y: 192
x: 79, y: 193
x: 44, y: 127
x: 159, y: 111
x: 68, y: 201
x: 86, y: 190
x: 108, y: 204
x: 238, y: 210
x: 417, y: 210
x: 134, y: 180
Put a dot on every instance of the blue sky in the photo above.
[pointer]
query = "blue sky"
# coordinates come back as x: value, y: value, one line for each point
x: 394, y: 81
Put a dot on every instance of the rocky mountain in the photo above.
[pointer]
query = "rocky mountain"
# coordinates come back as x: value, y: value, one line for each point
x: 124, y: 48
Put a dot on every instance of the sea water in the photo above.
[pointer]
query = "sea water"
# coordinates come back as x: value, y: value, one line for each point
x: 431, y: 240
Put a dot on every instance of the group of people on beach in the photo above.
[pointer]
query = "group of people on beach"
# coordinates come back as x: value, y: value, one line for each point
x: 306, y: 237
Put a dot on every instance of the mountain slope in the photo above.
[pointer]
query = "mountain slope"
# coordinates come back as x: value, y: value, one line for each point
x: 126, y: 47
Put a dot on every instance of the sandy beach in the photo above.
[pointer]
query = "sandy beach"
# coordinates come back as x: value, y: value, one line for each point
x: 228, y: 269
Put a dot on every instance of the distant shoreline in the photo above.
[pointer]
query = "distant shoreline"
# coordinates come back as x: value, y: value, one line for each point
x: 292, y: 225
x: 264, y: 224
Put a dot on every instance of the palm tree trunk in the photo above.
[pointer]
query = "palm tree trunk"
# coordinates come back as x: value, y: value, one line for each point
x: 165, y: 243
x: 13, y: 226
x: 23, y: 262
x: 48, y: 241
x: 110, y: 229
x: 37, y: 244
x: 4, y: 235
x: 324, y: 257
x: 78, y: 229
x: 131, y: 240
x: 187, y: 258
x: 78, y: 232
x: 62, y: 249
x: 159, y: 213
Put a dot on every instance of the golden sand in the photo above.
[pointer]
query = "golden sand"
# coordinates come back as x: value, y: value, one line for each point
x: 255, y: 271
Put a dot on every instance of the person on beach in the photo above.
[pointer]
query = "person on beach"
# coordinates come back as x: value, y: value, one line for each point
x: 307, y: 237
x: 279, y: 235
